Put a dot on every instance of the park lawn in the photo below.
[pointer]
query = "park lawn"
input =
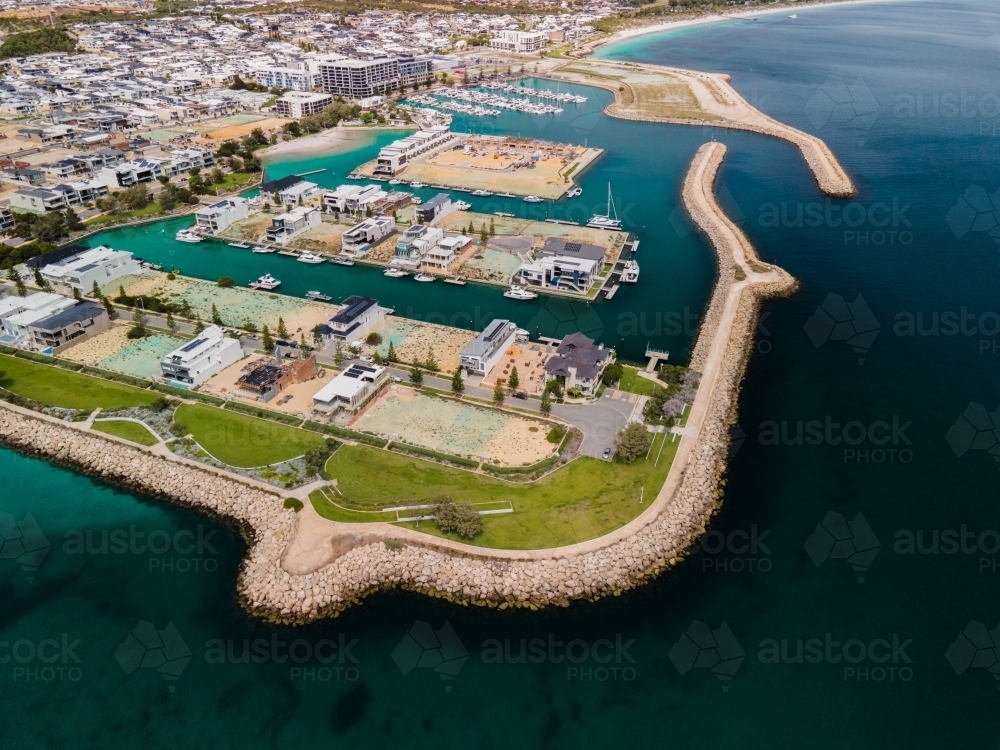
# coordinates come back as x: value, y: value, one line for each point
x: 232, y: 180
x: 68, y: 390
x: 127, y: 430
x: 150, y: 209
x: 244, y: 441
x: 632, y: 383
x: 580, y: 501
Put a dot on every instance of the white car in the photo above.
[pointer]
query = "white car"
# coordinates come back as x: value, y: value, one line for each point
x: 366, y: 358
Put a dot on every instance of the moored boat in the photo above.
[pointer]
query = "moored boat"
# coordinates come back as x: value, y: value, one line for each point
x: 337, y: 260
x: 424, y: 277
x: 532, y: 199
x: 318, y: 297
x: 394, y: 273
x: 609, y: 219
x: 519, y: 292
x: 308, y: 257
x: 186, y: 235
x: 266, y: 282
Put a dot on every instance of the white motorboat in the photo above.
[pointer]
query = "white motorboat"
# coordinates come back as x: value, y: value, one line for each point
x: 186, y: 235
x: 240, y: 245
x: 461, y: 205
x: 266, y: 282
x: 457, y: 280
x: 519, y: 292
x: 630, y: 273
x: 337, y: 260
x: 355, y: 176
x: 416, y: 200
x: 608, y: 220
x: 416, y: 184
x: 505, y: 195
x: 577, y: 191
x: 532, y: 199
x: 395, y: 182
x: 482, y: 193
x: 318, y: 297
x: 394, y: 273
x: 308, y: 257
x: 264, y: 250
x: 424, y: 277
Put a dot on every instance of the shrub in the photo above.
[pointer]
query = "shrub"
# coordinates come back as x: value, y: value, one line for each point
x: 395, y: 545
x: 226, y: 282
x: 160, y: 403
x: 458, y: 518
x: 293, y: 503
x: 178, y: 429
x: 612, y: 373
x: 556, y: 433
x: 633, y: 442
x: 374, y: 339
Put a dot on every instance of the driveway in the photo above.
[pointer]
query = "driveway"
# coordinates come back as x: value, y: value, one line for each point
x: 599, y: 422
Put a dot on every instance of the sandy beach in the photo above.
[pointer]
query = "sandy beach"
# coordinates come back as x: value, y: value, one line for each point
x: 332, y: 141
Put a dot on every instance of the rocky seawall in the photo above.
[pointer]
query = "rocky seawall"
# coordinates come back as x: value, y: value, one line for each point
x: 300, y: 567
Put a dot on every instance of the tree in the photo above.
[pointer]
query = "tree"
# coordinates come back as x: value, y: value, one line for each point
x: 431, y: 362
x: 199, y: 326
x: 317, y: 336
x: 266, y: 341
x: 472, y: 228
x: 377, y: 358
x: 373, y: 339
x: 170, y: 321
x: 338, y: 355
x: 138, y: 329
x: 109, y: 307
x: 216, y: 318
x: 226, y: 282
x: 416, y: 375
x: 95, y: 292
x: 612, y: 373
x: 493, y: 229
x: 458, y: 518
x: 633, y: 442
x: 76, y: 295
x: 546, y: 403
x: 484, y: 235
x: 499, y: 392
x: 514, y: 381
x: 73, y: 222
x: 14, y: 276
x: 249, y: 326
x: 282, y: 330
x: 457, y: 384
x: 39, y: 281
x: 186, y: 309
x: 391, y: 354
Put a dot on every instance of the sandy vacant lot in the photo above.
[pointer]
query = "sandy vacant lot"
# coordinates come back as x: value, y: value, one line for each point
x: 507, y: 226
x: 454, y: 427
x: 530, y: 363
x: 413, y: 339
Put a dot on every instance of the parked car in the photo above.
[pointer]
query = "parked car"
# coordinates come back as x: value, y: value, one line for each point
x: 366, y: 358
x: 521, y: 395
x: 396, y: 379
x: 607, y: 454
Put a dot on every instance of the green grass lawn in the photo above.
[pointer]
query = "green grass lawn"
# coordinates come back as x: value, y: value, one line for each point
x: 128, y: 430
x: 67, y: 390
x: 580, y: 501
x: 232, y: 180
x: 241, y: 440
x: 633, y: 383
x: 150, y: 209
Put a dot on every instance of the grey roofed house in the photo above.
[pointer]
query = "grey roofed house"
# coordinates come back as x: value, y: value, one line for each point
x: 580, y: 353
x: 276, y: 186
x: 354, y: 307
x: 69, y: 324
x: 559, y: 246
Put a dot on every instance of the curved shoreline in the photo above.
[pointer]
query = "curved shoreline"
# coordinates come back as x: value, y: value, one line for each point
x: 301, y: 567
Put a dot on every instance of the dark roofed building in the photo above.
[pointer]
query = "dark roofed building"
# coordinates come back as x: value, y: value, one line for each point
x: 40, y: 261
x: 559, y: 246
x: 578, y: 363
x: 356, y: 317
x: 83, y: 319
x: 276, y: 186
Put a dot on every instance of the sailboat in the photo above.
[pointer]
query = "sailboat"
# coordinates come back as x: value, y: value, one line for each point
x: 609, y: 220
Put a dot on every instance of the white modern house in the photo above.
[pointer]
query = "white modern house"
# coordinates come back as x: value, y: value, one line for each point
x: 100, y: 264
x: 351, y: 389
x: 443, y: 254
x: 293, y: 223
x: 358, y: 239
x: 483, y: 352
x: 414, y: 243
x: 17, y: 313
x: 221, y: 214
x: 353, y: 321
x: 210, y: 352
x: 559, y: 272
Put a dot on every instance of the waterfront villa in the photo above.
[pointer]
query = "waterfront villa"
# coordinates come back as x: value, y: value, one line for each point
x: 483, y: 352
x: 395, y: 157
x: 352, y: 389
x: 437, y: 206
x: 221, y: 214
x: 414, y: 243
x: 351, y: 198
x: 578, y: 363
x: 289, y: 191
x: 443, y: 254
x: 192, y: 364
x: 85, y: 266
x: 358, y: 239
x: 558, y: 272
x: 353, y: 321
x: 559, y: 247
x: 17, y: 313
x: 293, y: 223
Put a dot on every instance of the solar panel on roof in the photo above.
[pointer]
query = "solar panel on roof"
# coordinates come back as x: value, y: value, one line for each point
x: 189, y: 346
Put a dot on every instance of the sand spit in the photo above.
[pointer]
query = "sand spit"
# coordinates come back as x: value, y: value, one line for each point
x: 301, y: 567
x: 655, y: 93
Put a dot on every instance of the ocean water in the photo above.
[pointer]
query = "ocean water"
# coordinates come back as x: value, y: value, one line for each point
x: 859, y: 430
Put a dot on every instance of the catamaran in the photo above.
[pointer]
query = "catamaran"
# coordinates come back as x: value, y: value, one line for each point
x: 609, y: 220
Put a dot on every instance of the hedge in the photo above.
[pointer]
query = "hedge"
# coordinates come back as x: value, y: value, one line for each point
x: 542, y: 465
x: 184, y: 393
x: 343, y: 432
x: 117, y: 377
x: 458, y: 460
x: 274, y: 416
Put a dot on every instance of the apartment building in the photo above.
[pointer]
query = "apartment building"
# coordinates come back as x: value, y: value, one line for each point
x: 287, y: 78
x: 358, y: 79
x: 519, y: 42
x: 395, y: 157
x: 296, y: 104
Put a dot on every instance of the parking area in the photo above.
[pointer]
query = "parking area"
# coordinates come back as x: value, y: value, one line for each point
x: 600, y: 422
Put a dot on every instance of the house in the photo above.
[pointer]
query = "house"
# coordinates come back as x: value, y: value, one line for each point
x: 83, y: 319
x: 352, y: 389
x: 6, y: 220
x: 483, y: 352
x: 16, y: 313
x: 38, y: 200
x: 292, y: 223
x: 439, y: 205
x: 336, y: 200
x: 359, y: 239
x: 352, y: 198
x: 269, y: 377
x: 297, y: 104
x: 557, y: 246
x: 414, y: 242
x: 353, y: 321
x: 80, y: 271
x: 219, y: 215
x: 558, y: 272
x: 192, y: 364
x: 291, y: 190
x: 443, y: 254
x: 578, y: 363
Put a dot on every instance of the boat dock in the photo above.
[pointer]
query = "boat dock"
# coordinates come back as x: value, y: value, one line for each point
x: 314, y: 171
x: 563, y: 221
x: 289, y: 253
x: 655, y: 355
x: 609, y: 293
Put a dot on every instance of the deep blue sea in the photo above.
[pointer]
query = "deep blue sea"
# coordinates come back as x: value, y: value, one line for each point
x: 844, y: 596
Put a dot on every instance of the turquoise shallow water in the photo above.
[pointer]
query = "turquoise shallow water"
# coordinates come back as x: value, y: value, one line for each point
x: 819, y: 433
